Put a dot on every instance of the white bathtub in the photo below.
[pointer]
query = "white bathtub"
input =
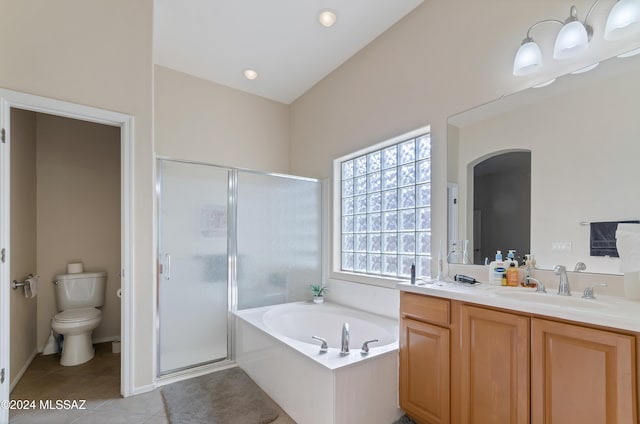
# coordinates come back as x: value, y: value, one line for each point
x: 274, y: 346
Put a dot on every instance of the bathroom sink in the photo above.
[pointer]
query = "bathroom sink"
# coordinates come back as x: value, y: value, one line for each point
x: 575, y: 301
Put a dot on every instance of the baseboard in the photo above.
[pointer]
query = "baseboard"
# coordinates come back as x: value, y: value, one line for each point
x: 23, y: 370
x: 142, y: 389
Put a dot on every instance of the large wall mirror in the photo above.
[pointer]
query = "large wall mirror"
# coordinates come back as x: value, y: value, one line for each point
x: 583, y: 137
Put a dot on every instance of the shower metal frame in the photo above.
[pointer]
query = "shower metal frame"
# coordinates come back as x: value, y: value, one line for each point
x: 232, y: 256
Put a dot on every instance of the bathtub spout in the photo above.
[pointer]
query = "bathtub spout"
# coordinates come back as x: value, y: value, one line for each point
x: 344, y: 350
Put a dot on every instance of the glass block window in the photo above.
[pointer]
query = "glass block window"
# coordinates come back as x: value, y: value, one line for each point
x: 386, y: 210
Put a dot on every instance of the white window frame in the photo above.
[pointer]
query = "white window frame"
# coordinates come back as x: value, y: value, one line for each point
x: 336, y: 214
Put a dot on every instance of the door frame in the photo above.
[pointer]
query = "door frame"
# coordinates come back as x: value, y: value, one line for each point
x: 13, y: 99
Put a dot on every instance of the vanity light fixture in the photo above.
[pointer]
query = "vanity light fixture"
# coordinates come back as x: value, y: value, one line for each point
x: 574, y: 36
x: 327, y: 18
x: 250, y: 74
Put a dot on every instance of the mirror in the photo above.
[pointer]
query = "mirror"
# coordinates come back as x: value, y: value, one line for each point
x: 583, y: 134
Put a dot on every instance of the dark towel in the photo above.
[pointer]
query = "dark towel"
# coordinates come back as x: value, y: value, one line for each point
x: 603, y: 238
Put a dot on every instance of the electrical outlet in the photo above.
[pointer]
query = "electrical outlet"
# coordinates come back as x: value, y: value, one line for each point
x: 561, y: 246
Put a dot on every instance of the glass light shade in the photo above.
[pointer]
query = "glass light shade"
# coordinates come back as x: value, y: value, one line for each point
x: 623, y: 19
x: 528, y: 59
x: 571, y: 40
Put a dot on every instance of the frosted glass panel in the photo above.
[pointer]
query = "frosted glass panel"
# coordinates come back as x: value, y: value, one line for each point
x: 279, y: 238
x: 193, y: 252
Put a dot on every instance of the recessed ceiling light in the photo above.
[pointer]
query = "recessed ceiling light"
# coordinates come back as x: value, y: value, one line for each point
x: 327, y: 18
x: 250, y: 74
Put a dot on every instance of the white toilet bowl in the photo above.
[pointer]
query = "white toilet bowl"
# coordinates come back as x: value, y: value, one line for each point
x: 76, y: 326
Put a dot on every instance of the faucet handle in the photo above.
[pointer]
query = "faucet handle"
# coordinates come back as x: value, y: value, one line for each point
x: 540, y: 288
x: 588, y: 292
x: 324, y: 347
x: 365, y: 346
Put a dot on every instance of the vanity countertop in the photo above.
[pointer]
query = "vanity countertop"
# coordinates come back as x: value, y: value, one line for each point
x: 607, y: 311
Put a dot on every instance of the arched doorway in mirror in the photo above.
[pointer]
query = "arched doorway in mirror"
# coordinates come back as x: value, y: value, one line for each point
x: 502, y: 205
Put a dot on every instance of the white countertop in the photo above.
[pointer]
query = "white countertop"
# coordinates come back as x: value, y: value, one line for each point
x: 607, y: 311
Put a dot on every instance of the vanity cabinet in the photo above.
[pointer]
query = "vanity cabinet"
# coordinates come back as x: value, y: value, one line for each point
x: 581, y: 375
x: 494, y: 366
x: 466, y: 363
x: 424, y: 358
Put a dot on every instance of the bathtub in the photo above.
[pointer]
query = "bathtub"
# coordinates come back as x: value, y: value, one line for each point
x: 274, y: 347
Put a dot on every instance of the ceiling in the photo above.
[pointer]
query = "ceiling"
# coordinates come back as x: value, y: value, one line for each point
x: 281, y: 39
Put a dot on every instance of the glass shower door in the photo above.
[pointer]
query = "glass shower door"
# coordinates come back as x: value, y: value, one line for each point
x: 192, y: 288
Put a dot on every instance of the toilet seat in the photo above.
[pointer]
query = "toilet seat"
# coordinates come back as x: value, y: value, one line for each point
x: 78, y: 315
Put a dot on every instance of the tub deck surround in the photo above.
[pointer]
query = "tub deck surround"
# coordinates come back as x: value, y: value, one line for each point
x: 295, y: 323
x: 314, y: 387
x: 608, y: 311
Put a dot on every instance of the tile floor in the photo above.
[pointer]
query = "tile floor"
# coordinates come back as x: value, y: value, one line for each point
x: 98, y: 383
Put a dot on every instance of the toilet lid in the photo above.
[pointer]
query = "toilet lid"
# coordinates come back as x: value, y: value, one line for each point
x: 78, y: 314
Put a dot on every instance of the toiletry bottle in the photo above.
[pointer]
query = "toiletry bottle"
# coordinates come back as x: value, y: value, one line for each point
x: 511, y: 258
x: 513, y: 276
x: 504, y: 281
x: 496, y: 269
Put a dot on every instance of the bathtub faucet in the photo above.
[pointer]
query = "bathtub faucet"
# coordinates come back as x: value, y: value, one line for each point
x: 344, y: 350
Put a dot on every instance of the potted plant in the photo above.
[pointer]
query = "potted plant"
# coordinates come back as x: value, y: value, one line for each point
x: 318, y: 291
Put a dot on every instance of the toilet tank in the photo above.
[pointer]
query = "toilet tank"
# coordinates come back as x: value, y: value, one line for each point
x: 86, y: 289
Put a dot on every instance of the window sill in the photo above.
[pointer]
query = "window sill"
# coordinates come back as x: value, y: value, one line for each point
x: 372, y: 280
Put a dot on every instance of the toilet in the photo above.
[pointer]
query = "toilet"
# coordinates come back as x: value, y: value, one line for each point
x: 78, y: 296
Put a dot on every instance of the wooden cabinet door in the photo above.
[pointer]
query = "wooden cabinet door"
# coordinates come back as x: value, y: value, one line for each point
x: 424, y: 371
x: 581, y: 375
x: 494, y: 367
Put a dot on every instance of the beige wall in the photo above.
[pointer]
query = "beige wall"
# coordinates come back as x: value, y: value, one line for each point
x: 23, y: 238
x: 202, y: 121
x: 444, y: 57
x: 78, y: 168
x: 96, y: 53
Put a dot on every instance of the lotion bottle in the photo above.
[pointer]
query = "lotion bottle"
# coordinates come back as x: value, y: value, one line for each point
x: 496, y: 269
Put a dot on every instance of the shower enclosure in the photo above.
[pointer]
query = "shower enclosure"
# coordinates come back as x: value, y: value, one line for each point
x: 228, y: 239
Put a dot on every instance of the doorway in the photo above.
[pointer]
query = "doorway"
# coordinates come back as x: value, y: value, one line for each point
x: 501, y: 205
x: 20, y: 103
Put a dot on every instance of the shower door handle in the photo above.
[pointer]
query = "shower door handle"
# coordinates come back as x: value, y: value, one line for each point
x: 167, y: 260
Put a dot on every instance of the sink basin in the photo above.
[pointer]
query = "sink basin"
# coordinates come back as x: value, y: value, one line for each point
x: 575, y: 301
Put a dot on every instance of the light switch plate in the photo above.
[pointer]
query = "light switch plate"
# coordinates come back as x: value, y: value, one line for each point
x: 561, y: 246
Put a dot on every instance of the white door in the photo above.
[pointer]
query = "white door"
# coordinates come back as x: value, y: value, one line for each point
x: 4, y: 260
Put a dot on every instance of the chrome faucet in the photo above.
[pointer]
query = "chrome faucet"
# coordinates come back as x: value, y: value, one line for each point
x: 344, y: 349
x: 563, y: 288
x: 580, y: 266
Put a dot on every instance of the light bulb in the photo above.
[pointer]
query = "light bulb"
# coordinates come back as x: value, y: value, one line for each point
x: 327, y: 18
x: 250, y: 74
